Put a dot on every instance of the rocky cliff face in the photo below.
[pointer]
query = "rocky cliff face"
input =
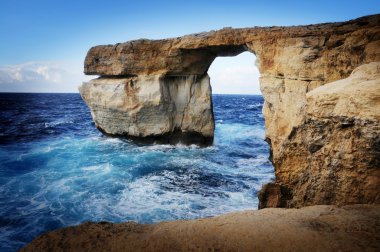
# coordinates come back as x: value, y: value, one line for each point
x: 317, y: 158
x: 153, y: 108
x: 333, y: 156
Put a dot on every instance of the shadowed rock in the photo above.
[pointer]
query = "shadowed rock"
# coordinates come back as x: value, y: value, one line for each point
x: 317, y: 228
x: 161, y: 109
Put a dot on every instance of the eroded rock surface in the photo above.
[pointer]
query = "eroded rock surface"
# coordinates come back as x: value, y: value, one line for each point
x: 320, y: 148
x: 154, y: 108
x: 317, y: 228
x: 333, y: 157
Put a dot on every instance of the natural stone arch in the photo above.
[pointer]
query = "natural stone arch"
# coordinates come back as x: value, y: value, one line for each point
x: 159, y: 89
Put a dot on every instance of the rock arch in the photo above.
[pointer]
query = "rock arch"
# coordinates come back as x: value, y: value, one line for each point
x: 159, y: 90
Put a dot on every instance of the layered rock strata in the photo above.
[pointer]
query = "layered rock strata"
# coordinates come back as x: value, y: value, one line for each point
x: 310, y: 166
x: 333, y: 157
x: 154, y: 108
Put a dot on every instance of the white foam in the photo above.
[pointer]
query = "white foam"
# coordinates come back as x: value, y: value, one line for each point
x: 239, y: 131
x: 255, y: 105
x: 56, y: 123
x: 104, y: 168
x: 254, y: 161
x: 112, y: 140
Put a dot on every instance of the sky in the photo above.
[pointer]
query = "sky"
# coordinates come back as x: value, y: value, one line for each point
x: 43, y: 43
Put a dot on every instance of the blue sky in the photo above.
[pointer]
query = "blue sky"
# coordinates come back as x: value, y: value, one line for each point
x: 48, y: 39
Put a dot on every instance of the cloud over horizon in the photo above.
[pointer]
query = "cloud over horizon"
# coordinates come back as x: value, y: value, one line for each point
x: 39, y: 76
x: 229, y: 75
x: 235, y: 75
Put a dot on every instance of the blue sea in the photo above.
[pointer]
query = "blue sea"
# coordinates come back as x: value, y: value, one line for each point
x: 57, y: 169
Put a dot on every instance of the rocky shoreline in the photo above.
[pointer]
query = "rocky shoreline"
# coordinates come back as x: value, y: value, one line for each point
x: 159, y: 90
x: 316, y: 228
x: 321, y: 86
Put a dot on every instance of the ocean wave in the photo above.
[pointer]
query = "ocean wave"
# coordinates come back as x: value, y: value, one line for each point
x: 56, y: 123
x: 61, y: 171
x: 255, y: 105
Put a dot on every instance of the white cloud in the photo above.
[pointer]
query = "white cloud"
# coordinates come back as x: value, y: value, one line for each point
x: 41, y: 77
x: 229, y: 75
x: 235, y: 75
x: 50, y: 74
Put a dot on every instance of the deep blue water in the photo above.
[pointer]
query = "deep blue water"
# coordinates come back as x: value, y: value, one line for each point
x: 57, y: 169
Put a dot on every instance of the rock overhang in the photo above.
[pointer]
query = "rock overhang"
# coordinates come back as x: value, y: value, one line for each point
x: 292, y: 62
x: 193, y: 54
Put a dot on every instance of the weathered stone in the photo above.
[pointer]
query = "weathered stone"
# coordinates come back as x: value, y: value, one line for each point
x: 153, y: 108
x: 315, y: 228
x: 322, y: 143
x: 273, y: 195
x: 291, y: 60
x: 333, y: 157
x: 323, y: 52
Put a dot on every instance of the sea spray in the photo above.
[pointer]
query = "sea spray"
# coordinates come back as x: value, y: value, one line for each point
x: 58, y: 170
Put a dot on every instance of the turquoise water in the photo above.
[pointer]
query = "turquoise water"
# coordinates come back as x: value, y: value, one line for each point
x: 57, y: 169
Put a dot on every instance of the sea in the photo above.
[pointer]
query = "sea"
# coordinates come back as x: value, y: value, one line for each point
x: 58, y: 170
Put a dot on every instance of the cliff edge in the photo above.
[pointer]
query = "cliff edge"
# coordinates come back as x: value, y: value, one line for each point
x: 321, y: 86
x: 333, y: 156
x: 316, y: 228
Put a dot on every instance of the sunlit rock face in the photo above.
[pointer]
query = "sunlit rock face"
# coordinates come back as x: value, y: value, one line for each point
x: 153, y: 108
x: 292, y: 61
x: 333, y: 156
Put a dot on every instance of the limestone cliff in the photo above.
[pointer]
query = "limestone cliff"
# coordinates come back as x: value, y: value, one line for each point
x: 333, y: 157
x: 153, y: 108
x: 313, y: 165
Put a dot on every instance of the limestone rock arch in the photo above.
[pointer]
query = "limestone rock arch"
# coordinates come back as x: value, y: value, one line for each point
x: 159, y: 90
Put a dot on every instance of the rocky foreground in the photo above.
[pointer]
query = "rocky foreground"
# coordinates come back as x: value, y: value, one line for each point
x: 316, y: 228
x: 321, y: 86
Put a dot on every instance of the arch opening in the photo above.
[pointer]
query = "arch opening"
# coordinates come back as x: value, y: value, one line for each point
x: 239, y: 122
x: 235, y: 75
